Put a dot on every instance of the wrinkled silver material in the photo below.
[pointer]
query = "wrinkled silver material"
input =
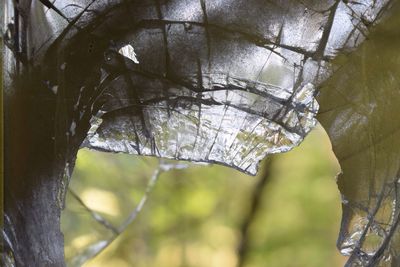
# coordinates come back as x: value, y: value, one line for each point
x: 225, y: 81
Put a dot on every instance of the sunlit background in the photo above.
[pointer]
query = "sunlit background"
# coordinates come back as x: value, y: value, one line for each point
x: 195, y: 216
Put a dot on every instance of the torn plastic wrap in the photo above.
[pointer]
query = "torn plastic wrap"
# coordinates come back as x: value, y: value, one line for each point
x: 226, y: 82
x: 363, y: 124
x: 195, y: 80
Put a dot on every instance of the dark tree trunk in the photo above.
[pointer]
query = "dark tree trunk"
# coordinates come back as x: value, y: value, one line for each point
x: 35, y: 179
x: 39, y: 153
x: 32, y: 222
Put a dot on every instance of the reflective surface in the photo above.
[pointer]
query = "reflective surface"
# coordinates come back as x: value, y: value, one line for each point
x: 225, y: 82
x: 361, y: 114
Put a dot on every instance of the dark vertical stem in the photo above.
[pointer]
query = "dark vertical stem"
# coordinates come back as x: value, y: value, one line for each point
x: 33, y: 174
x: 33, y: 179
x: 1, y: 144
x: 256, y: 199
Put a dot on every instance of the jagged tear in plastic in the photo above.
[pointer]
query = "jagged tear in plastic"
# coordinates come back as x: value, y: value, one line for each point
x: 190, y: 91
x: 225, y: 81
x: 370, y: 233
x: 223, y: 125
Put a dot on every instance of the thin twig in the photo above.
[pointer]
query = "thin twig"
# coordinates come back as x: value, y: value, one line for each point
x: 97, y: 248
x: 100, y: 219
x: 257, y: 194
x: 139, y: 207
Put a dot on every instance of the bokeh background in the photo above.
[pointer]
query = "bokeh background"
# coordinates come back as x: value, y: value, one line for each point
x: 199, y: 216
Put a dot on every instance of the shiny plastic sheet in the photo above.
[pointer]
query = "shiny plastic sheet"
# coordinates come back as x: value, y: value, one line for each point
x: 212, y: 81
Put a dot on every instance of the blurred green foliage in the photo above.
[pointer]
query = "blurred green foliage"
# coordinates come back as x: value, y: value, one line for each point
x: 193, y: 216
